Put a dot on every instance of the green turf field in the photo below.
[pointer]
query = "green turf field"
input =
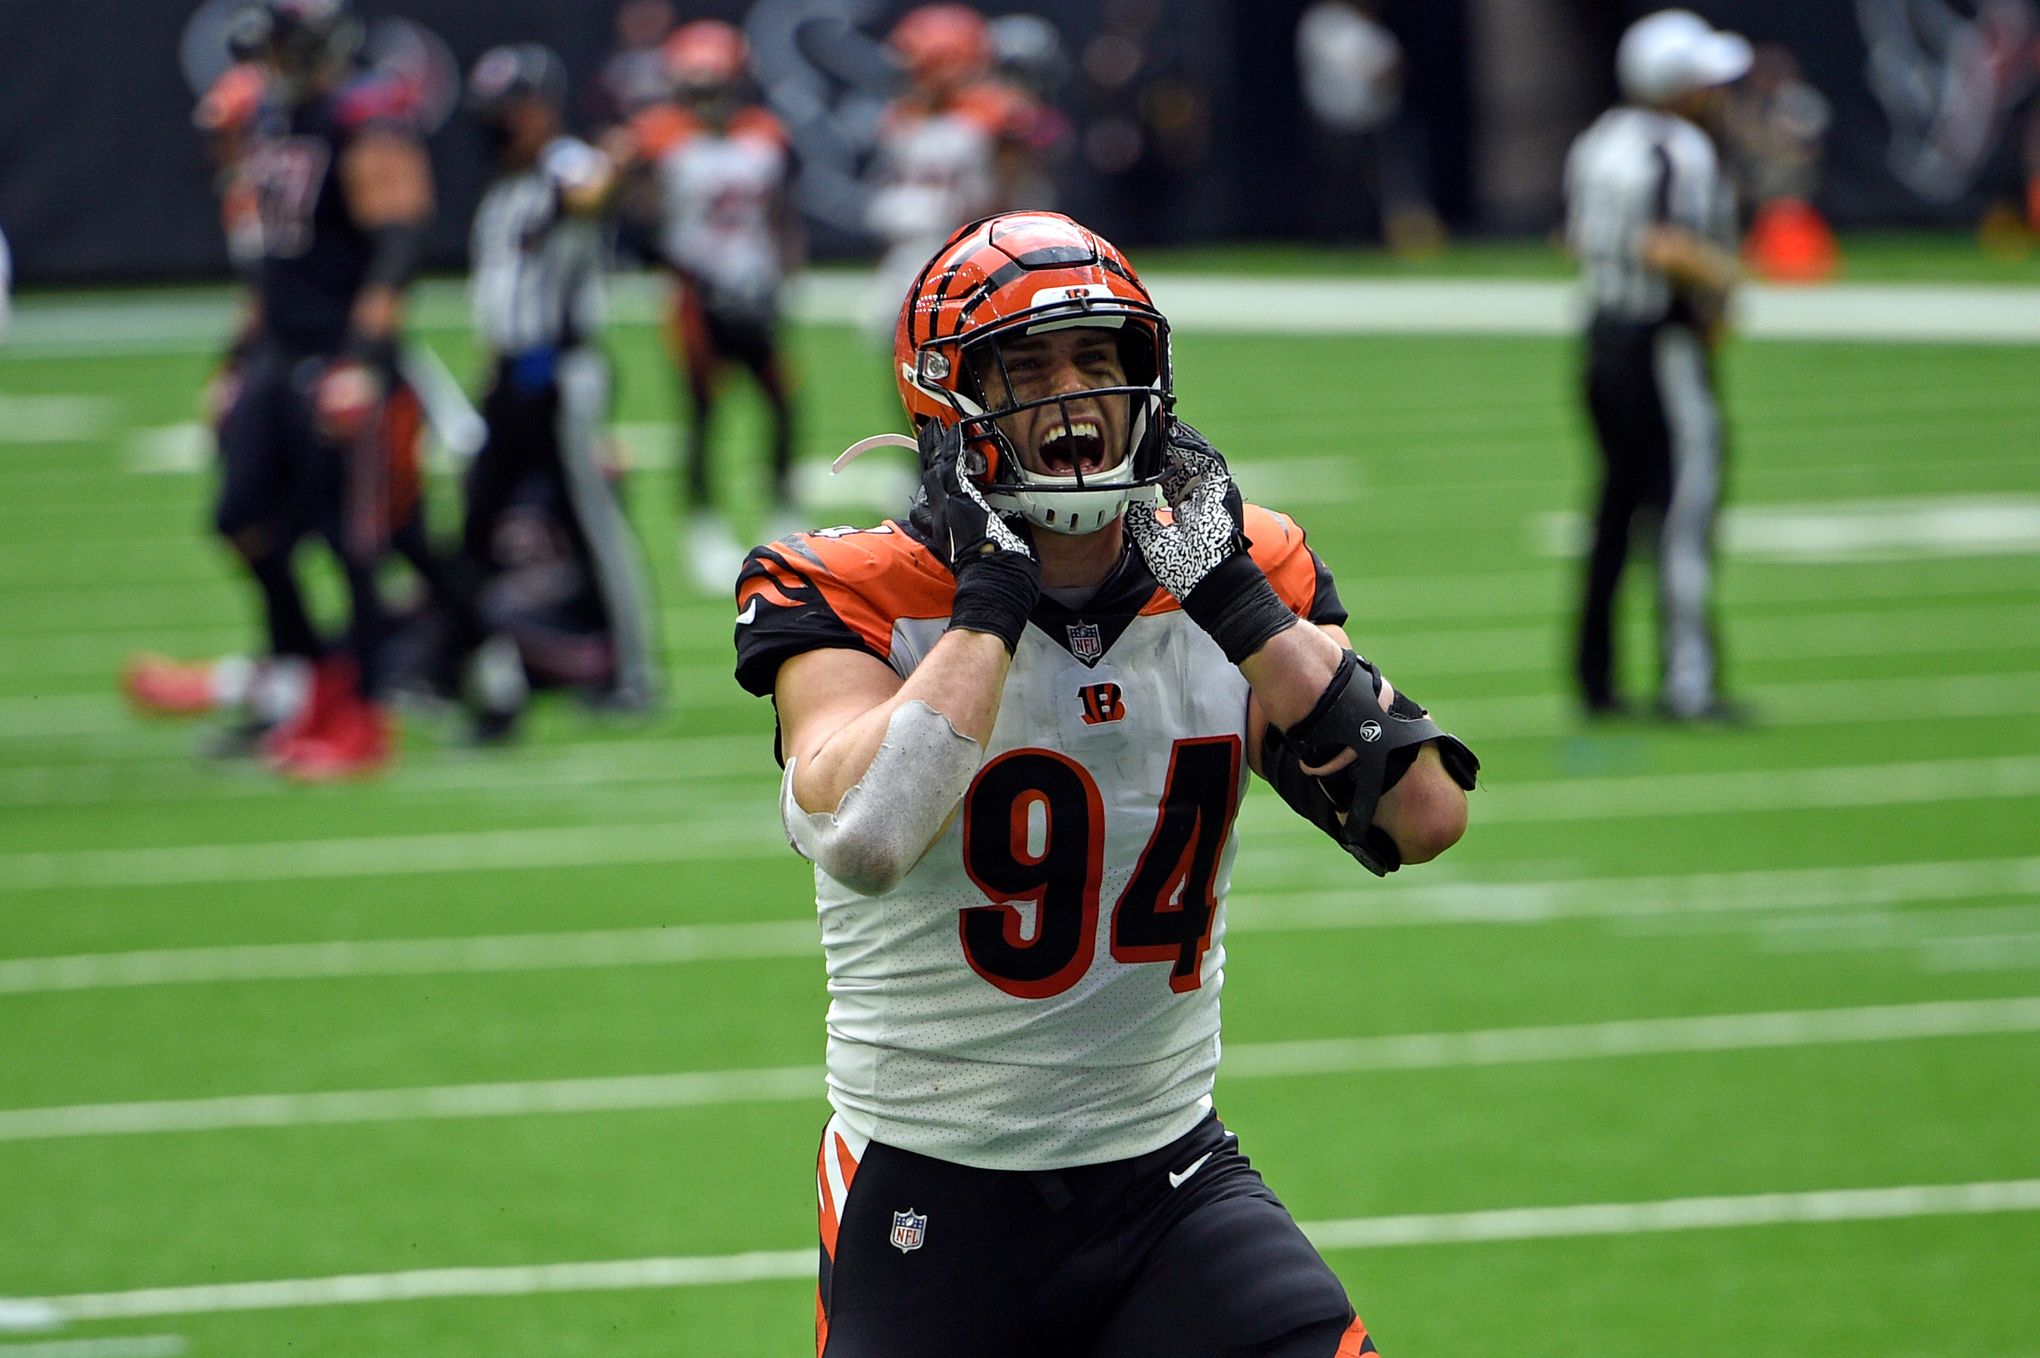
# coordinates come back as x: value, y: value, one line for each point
x: 562, y: 1005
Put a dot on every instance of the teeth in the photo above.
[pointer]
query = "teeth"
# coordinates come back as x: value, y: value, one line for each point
x: 1075, y: 429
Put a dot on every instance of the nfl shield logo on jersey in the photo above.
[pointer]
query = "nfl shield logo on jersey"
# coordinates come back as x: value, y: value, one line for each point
x: 1086, y: 643
x: 908, y: 1229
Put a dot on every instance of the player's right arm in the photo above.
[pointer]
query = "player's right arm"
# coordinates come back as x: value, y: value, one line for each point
x: 876, y: 764
x: 835, y: 707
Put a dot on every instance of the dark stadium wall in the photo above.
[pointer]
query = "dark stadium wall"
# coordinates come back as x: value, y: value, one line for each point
x: 101, y: 175
x: 1901, y: 152
x: 1267, y: 136
x: 103, y: 180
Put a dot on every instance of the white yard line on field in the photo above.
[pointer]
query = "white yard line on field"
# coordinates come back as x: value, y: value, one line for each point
x: 1893, y: 529
x: 1397, y: 904
x: 2018, y: 951
x: 1243, y: 1061
x: 582, y: 950
x: 748, y: 828
x: 1234, y: 304
x: 54, y: 418
x: 1731, y: 792
x: 1821, y: 1206
x: 113, y: 1346
x: 542, y: 772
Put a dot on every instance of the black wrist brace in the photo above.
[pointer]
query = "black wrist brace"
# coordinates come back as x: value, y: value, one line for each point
x: 996, y: 593
x: 1237, y: 606
x: 1385, y: 742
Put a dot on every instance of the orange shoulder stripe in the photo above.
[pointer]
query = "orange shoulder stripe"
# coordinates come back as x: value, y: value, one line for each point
x: 870, y: 578
x: 1279, y: 550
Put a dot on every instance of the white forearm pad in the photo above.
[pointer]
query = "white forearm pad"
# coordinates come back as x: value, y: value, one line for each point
x: 890, y: 816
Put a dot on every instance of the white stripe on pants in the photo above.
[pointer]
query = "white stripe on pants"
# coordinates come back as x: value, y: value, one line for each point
x: 619, y: 577
x: 1686, y: 547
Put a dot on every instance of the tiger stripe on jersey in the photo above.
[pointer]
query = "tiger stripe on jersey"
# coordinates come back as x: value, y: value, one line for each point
x: 1354, y: 1342
x: 835, y: 1168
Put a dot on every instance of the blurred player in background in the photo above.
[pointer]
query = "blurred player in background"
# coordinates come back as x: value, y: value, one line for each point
x: 225, y: 116
x: 956, y: 145
x: 1030, y: 698
x: 320, y: 436
x: 1652, y: 218
x: 730, y: 236
x: 537, y: 495
x: 1775, y: 127
x: 1368, y: 175
x: 633, y: 77
x: 264, y: 689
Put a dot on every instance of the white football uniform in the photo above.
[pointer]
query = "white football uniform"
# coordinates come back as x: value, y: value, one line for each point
x: 719, y: 195
x: 937, y: 169
x: 1042, y: 990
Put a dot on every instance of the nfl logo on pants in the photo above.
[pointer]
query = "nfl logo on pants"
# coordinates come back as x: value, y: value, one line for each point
x: 908, y: 1229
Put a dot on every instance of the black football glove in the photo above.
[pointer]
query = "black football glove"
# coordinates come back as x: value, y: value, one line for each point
x: 998, y: 579
x: 1200, y: 554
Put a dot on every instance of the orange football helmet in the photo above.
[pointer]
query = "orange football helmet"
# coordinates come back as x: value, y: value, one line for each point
x: 705, y: 54
x: 943, y: 44
x: 1021, y: 273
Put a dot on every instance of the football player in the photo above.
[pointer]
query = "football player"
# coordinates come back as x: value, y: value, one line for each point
x: 1016, y: 726
x: 321, y: 437
x: 729, y: 234
x: 538, y: 244
x: 957, y: 144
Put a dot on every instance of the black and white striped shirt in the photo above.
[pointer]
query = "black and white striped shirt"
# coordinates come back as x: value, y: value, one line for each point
x: 1633, y: 169
x: 538, y: 269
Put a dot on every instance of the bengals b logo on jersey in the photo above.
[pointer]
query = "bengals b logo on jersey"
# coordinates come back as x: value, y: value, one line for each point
x: 1102, y: 703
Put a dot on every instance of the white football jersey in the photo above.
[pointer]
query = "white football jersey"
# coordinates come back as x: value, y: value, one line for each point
x: 719, y: 193
x: 1042, y: 990
x: 937, y: 169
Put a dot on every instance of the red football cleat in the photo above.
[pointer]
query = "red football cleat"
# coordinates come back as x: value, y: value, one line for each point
x: 355, y: 743
x: 333, y: 689
x: 164, y: 687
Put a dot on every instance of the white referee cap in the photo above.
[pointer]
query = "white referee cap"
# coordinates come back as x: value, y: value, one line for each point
x: 1675, y: 52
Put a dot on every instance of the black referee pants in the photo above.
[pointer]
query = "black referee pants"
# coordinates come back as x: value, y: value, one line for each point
x: 1650, y: 392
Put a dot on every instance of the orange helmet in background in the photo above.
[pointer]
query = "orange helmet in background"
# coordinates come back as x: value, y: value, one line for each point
x: 230, y: 104
x: 705, y: 54
x: 1022, y: 273
x: 943, y: 44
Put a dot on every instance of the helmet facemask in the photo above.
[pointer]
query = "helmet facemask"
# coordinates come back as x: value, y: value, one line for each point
x: 1084, y: 485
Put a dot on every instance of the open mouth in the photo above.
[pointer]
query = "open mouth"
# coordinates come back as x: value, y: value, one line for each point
x: 1074, y: 446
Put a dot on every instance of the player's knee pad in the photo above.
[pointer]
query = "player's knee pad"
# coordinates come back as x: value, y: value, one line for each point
x: 1384, y: 741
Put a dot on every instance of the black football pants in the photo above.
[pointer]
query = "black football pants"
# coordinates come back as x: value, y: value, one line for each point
x: 1180, y: 1253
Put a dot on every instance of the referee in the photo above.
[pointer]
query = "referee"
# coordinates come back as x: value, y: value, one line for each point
x: 538, y: 246
x: 1652, y: 219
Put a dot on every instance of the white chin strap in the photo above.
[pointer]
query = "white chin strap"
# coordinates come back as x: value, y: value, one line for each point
x: 1063, y: 508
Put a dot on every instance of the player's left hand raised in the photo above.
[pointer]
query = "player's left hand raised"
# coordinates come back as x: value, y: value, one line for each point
x: 1200, y: 554
x: 1204, y: 529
